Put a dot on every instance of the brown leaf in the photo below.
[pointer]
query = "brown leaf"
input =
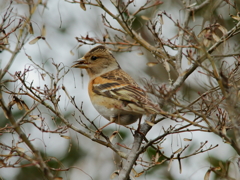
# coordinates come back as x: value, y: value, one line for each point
x: 20, y: 149
x: 207, y: 175
x: 151, y: 64
x: 82, y: 5
x: 215, y: 37
x: 150, y: 123
x: 166, y: 65
x: 114, y: 174
x: 156, y: 157
x: 223, y: 29
x: 161, y: 19
x: 169, y: 165
x: 43, y: 33
x: 35, y: 117
x: 30, y: 28
x: 145, y: 18
x: 35, y: 40
x: 113, y: 136
x: 177, y: 151
x: 235, y: 17
x: 66, y: 137
x: 25, y: 106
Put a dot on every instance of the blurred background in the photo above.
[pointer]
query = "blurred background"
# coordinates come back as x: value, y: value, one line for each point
x: 64, y: 21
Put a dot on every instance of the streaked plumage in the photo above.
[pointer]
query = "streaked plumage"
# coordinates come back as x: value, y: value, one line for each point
x: 114, y: 94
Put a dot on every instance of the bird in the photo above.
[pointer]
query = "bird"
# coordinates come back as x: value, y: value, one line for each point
x: 113, y: 92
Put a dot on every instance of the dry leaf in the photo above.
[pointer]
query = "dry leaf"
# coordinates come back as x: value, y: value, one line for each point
x: 122, y: 154
x: 114, y: 174
x: 156, y: 157
x: 43, y: 33
x: 180, y: 149
x: 166, y: 65
x: 25, y: 106
x: 169, y: 165
x: 186, y: 139
x: 20, y: 103
x: 35, y: 117
x: 35, y: 40
x: 161, y: 19
x: 207, y: 175
x: 150, y: 123
x: 145, y: 18
x: 113, y: 136
x: 206, y: 42
x: 151, y: 64
x: 20, y: 149
x: 215, y: 37
x: 235, y: 17
x: 223, y: 29
x: 66, y: 137
x: 43, y: 75
x: 30, y: 28
x: 82, y: 5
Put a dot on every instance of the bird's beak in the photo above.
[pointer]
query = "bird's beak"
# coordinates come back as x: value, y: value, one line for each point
x: 81, y: 63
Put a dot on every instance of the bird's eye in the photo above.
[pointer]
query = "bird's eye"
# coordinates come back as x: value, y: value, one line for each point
x: 93, y: 58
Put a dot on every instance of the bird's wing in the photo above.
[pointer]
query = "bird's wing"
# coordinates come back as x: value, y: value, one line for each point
x: 119, y: 85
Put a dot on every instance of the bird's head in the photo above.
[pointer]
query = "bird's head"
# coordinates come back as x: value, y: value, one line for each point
x: 97, y: 61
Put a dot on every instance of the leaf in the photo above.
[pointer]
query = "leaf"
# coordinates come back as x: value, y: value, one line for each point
x: 215, y: 37
x: 235, y: 17
x: 25, y: 106
x: 43, y: 32
x: 82, y: 5
x: 150, y: 123
x: 145, y: 18
x: 113, y: 136
x: 43, y: 75
x: 151, y: 64
x: 186, y: 139
x: 169, y: 165
x: 166, y: 65
x: 122, y: 154
x: 114, y: 174
x: 20, y: 149
x: 177, y: 151
x: 65, y: 137
x: 223, y: 29
x: 207, y: 175
x: 206, y: 42
x: 20, y: 103
x: 35, y: 40
x: 35, y: 117
x: 161, y: 19
x: 30, y: 28
x: 156, y: 157
x: 202, y: 33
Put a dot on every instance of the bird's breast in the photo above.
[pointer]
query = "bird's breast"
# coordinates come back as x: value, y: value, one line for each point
x: 112, y: 109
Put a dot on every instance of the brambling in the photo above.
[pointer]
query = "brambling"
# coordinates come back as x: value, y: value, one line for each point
x: 114, y: 93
